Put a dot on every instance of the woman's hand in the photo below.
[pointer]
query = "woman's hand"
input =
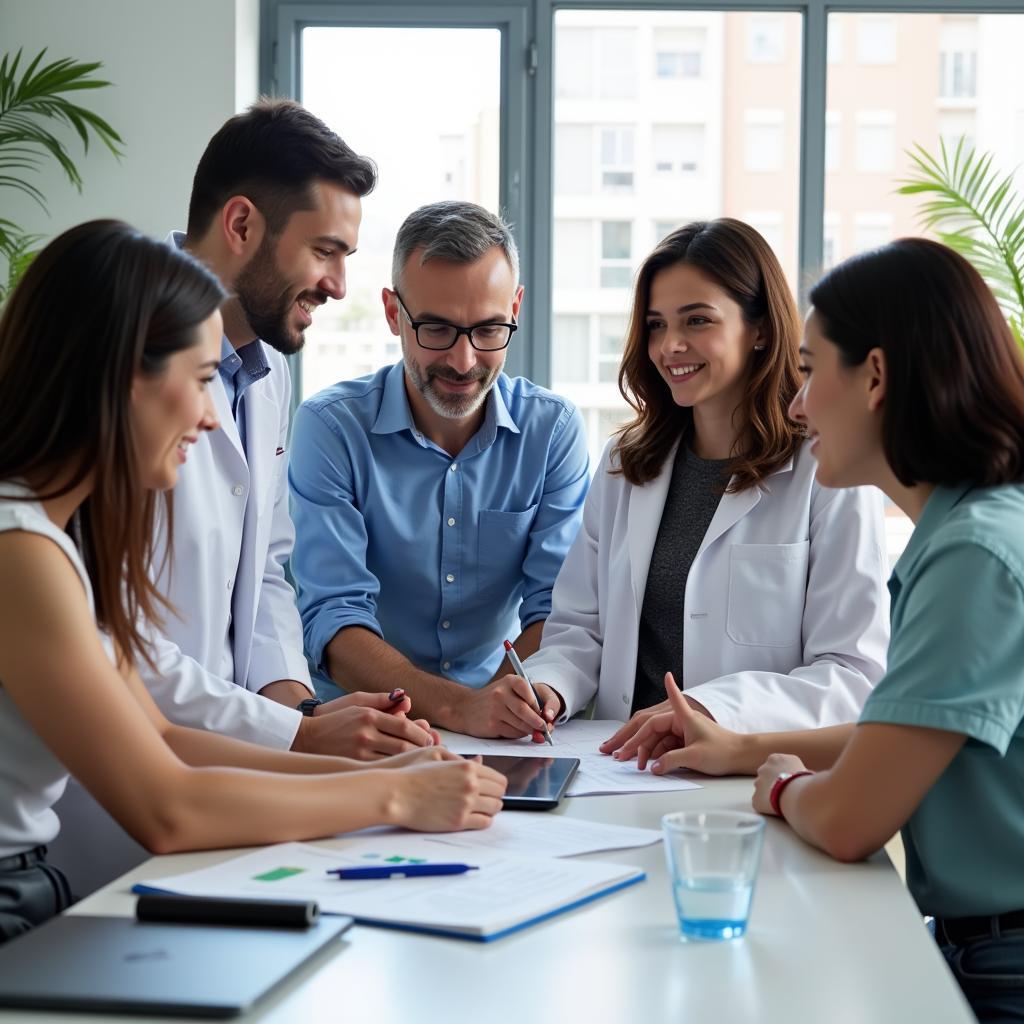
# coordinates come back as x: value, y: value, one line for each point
x: 768, y: 774
x: 419, y: 756
x: 683, y: 738
x: 448, y: 796
x: 633, y: 726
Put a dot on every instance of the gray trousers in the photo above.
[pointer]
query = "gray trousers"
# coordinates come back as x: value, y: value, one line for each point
x: 30, y: 892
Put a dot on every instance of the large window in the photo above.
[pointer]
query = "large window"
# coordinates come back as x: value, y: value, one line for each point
x: 598, y: 130
x: 709, y: 126
x: 431, y: 137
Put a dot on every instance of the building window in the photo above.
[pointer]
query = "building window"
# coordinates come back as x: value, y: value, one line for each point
x: 679, y: 53
x: 611, y: 333
x: 678, y: 148
x: 664, y: 228
x: 570, y: 348
x: 617, y: 159
x: 870, y: 230
x: 958, y: 75
x: 875, y: 142
x: 876, y: 40
x: 616, y: 253
x: 616, y: 59
x: 830, y: 241
x: 833, y: 140
x: 958, y: 58
x: 574, y: 163
x: 768, y: 224
x: 573, y: 247
x: 763, y: 148
x: 574, y: 66
x: 955, y: 125
x: 766, y: 39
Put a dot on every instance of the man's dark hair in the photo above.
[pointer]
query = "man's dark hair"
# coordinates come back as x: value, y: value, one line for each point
x: 273, y: 154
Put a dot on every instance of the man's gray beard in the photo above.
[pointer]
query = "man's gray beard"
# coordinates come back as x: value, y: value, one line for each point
x: 451, y: 407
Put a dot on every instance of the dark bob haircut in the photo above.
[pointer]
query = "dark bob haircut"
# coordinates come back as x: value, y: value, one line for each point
x: 954, y: 401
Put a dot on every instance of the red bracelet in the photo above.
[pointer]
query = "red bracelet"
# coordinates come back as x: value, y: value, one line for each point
x: 779, y: 786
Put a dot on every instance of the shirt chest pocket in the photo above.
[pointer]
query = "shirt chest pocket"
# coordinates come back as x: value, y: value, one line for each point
x: 502, y: 547
x: 767, y: 590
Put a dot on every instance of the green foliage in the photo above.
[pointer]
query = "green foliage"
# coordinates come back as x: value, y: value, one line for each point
x: 33, y: 102
x: 973, y: 208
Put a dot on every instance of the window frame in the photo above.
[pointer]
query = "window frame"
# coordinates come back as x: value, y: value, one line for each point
x: 527, y: 102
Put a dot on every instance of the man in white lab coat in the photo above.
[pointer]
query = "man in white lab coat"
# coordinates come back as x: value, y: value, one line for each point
x: 275, y: 212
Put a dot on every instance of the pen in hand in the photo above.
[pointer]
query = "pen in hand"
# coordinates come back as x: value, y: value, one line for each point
x: 517, y: 666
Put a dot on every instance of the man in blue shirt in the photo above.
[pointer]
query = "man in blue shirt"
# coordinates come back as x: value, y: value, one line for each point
x: 436, y: 499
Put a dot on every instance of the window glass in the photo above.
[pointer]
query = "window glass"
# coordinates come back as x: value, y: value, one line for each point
x: 439, y: 140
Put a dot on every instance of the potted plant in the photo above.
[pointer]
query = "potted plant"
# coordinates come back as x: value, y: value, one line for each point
x: 974, y: 208
x: 34, y: 101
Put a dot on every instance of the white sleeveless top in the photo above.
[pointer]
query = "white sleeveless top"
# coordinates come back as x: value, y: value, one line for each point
x: 31, y: 778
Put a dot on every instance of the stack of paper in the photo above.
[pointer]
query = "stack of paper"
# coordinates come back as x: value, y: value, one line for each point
x: 505, y: 893
x: 598, y: 773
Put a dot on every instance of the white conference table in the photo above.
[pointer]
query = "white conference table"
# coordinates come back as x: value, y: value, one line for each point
x: 828, y: 944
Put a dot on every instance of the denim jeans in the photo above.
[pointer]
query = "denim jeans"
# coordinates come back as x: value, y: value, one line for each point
x: 30, y: 895
x: 990, y: 971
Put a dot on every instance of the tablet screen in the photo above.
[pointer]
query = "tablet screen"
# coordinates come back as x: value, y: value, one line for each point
x: 534, y: 783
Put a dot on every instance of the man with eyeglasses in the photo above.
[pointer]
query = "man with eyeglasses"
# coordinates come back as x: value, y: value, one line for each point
x: 435, y: 500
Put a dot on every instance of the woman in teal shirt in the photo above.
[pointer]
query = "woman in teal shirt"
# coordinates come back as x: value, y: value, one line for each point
x: 914, y: 383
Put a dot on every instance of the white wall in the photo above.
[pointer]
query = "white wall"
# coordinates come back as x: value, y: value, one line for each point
x: 179, y: 69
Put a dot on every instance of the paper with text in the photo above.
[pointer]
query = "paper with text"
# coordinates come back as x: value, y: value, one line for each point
x: 599, y: 774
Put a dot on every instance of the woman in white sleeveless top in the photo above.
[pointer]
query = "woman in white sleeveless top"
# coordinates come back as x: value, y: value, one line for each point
x: 106, y: 348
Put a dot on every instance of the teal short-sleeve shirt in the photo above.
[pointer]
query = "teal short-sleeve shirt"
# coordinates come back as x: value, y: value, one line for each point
x: 956, y: 662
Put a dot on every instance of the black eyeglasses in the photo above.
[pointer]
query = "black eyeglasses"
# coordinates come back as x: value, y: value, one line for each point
x: 439, y: 335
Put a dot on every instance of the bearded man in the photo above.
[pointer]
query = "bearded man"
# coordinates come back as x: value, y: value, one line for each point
x: 435, y: 500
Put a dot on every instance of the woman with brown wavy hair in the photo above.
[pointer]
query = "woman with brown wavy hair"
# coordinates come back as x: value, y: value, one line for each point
x: 106, y: 347
x: 707, y: 549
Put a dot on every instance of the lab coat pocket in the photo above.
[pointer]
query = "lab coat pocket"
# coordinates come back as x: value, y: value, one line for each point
x: 767, y: 589
x: 502, y: 547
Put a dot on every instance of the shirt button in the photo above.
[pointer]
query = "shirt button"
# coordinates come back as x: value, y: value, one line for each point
x: 231, y: 583
x: 454, y: 466
x: 450, y: 578
x: 451, y: 521
x: 446, y: 665
x: 446, y: 624
x: 625, y: 699
x: 238, y: 490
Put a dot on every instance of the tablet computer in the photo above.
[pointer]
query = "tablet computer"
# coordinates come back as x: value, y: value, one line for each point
x: 534, y: 783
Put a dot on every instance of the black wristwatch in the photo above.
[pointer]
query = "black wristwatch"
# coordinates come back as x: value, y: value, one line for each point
x: 308, y: 706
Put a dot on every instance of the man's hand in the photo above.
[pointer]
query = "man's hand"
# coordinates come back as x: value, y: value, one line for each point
x: 505, y: 708
x: 363, y: 726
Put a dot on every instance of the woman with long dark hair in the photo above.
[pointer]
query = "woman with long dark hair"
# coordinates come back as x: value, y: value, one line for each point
x: 914, y: 383
x: 707, y: 549
x: 106, y: 347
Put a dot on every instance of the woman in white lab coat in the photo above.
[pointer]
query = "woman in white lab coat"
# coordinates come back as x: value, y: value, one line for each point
x: 707, y: 548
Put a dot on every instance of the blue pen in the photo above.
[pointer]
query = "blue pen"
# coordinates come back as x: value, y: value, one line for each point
x: 400, y: 871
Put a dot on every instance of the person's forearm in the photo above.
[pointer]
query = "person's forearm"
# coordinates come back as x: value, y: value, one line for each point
x: 358, y: 659
x: 199, y: 748
x: 289, y: 692
x: 817, y: 748
x: 527, y: 643
x: 206, y: 808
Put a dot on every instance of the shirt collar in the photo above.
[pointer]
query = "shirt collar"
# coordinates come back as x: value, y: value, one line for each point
x: 935, y: 512
x: 395, y: 414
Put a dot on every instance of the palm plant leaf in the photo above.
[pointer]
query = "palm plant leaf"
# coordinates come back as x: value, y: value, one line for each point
x: 19, y: 252
x: 973, y: 208
x: 35, y: 95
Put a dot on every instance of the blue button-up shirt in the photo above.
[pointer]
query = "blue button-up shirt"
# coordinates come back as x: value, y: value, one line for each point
x: 437, y: 554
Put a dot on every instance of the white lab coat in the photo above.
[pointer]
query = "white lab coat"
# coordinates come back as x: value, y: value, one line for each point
x: 232, y: 536
x: 785, y: 612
